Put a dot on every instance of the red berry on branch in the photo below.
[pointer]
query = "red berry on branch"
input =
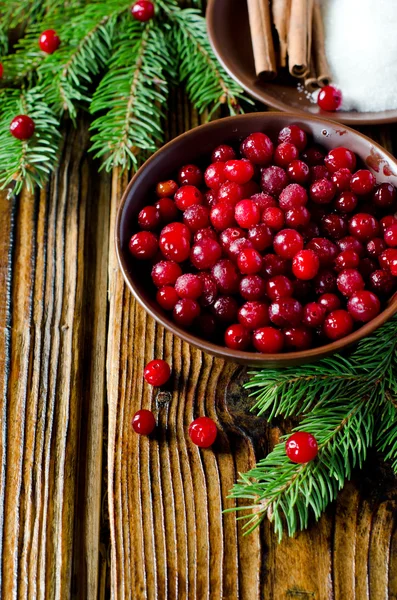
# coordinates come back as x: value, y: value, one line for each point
x: 22, y: 127
x: 203, y: 432
x: 49, y: 41
x: 142, y: 10
x: 143, y: 422
x: 301, y: 447
x: 1, y: 70
x: 157, y: 372
x: 329, y: 98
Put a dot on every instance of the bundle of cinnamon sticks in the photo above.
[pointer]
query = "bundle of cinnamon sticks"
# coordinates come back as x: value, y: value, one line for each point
x: 298, y: 41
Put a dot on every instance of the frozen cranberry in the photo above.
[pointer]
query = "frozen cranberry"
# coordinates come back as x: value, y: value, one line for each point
x: 329, y: 98
x: 385, y: 196
x: 390, y: 236
x: 210, y: 198
x: 239, y: 171
x: 174, y: 246
x: 382, y: 282
x: 223, y: 153
x: 263, y: 200
x: 247, y: 214
x: 222, y: 216
x: 165, y: 272
x: 293, y: 134
x: 285, y: 153
x: 292, y: 196
x: 314, y: 155
x: 229, y: 235
x: 363, y: 226
x: 287, y: 243
x: 297, y: 218
x: 298, y: 171
x: 250, y: 189
x: 230, y: 192
x: 205, y: 326
x: 258, y: 148
x: 238, y: 246
x: 322, y: 191
x: 325, y: 250
x: 305, y: 264
x: 362, y: 182
x: 375, y: 247
x: 340, y: 158
x: 350, y: 281
x: 260, y: 237
x: 273, y: 180
x: 214, y: 175
x: 167, y: 210
x: 318, y: 172
x: 143, y: 245
x: 185, y: 312
x: 190, y: 175
x: 249, y: 261
x: 237, y: 337
x: 278, y: 287
x: 386, y: 257
x: 226, y: 276
x: 273, y: 217
x: 205, y: 234
x: 253, y: 315
x: 268, y: 340
x: 313, y: 314
x: 286, y: 312
x: 325, y: 282
x: 196, y: 217
x: 387, y: 222
x: 178, y: 229
x: 189, y: 285
x: 338, y: 324
x: 205, y: 254
x: 348, y: 259
x: 252, y: 287
x: 363, y: 306
x: 164, y: 189
x: 188, y: 195
x: 143, y: 422
x: 351, y: 243
x: 167, y: 297
x: 274, y: 265
x: 334, y: 226
x: 341, y: 179
x: 225, y: 309
x: 297, y: 338
x: 157, y: 372
x: 309, y: 231
x: 346, y: 202
x: 330, y: 302
x: 210, y: 290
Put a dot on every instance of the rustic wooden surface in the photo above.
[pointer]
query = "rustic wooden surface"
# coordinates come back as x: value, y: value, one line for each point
x: 90, y: 510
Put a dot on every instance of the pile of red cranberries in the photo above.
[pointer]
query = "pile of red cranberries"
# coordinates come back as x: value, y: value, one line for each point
x: 276, y: 248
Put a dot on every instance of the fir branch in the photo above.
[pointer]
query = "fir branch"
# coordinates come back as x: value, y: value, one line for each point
x: 27, y: 162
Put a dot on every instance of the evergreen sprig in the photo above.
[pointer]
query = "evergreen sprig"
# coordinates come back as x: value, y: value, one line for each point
x: 348, y: 404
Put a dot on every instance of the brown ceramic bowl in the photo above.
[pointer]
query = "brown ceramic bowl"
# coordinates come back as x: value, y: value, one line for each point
x: 197, y: 144
x: 229, y: 34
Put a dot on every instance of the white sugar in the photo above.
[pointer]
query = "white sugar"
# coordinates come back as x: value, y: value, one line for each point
x: 361, y: 47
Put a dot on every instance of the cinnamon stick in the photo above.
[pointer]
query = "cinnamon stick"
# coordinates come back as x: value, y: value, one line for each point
x: 310, y: 80
x: 281, y: 12
x: 261, y: 36
x: 320, y: 58
x: 299, y: 37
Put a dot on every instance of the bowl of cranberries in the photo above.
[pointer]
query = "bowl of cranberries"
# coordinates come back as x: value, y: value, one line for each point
x: 267, y: 239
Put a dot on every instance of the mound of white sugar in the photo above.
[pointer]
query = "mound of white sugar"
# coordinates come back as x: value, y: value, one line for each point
x: 361, y: 48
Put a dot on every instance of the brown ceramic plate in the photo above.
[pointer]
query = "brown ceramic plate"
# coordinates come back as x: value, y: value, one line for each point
x: 229, y: 34
x: 196, y: 145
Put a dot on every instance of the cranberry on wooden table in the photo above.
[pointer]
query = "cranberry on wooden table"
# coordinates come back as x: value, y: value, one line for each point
x: 143, y: 422
x: 157, y: 372
x: 203, y: 432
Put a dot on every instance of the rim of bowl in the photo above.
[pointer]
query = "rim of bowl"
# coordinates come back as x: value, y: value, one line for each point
x: 222, y: 351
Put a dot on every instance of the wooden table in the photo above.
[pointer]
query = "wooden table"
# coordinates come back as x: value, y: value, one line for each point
x: 88, y: 507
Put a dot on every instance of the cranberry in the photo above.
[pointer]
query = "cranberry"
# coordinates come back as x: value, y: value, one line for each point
x: 49, y: 41
x: 386, y: 257
x: 143, y: 245
x: 167, y: 210
x: 205, y: 254
x: 375, y: 247
x: 391, y: 236
x: 252, y: 287
x: 273, y: 217
x: 143, y: 422
x: 247, y: 214
x: 205, y: 234
x: 174, y: 246
x: 387, y: 222
x: 363, y: 306
x: 226, y: 276
x: 230, y: 235
x: 273, y: 180
x: 164, y: 189
x: 239, y: 171
x: 313, y: 314
x: 142, y: 10
x: 340, y: 158
x: 210, y: 198
x: 318, y: 172
x: 260, y: 237
x: 196, y: 217
x: 346, y: 202
x: 230, y: 192
x: 278, y: 287
x: 178, y: 229
x: 382, y: 282
x: 334, y: 226
x: 393, y: 267
x: 238, y: 246
x: 351, y: 243
x: 348, y: 259
x: 292, y: 196
x: 330, y: 302
x: 305, y: 264
x: 185, y: 312
x: 341, y: 179
x: 286, y: 312
x: 263, y: 200
x: 325, y: 250
x: 297, y: 338
x: 225, y: 309
x: 157, y: 372
x: 287, y: 243
x: 258, y: 148
x: 350, y: 281
x: 167, y: 297
x: 203, y: 432
x: 362, y: 182
x: 293, y: 134
x: 254, y: 315
x: 329, y: 98
x: 188, y: 195
x: 1, y: 70
x: 314, y: 155
x: 285, y: 153
x: 214, y: 175
x: 237, y: 337
x: 189, y: 285
x: 338, y: 324
x: 165, y: 272
x: 22, y: 127
x: 363, y: 226
x: 190, y: 175
x: 385, y: 196
x: 222, y: 216
x: 297, y: 218
x: 210, y: 289
x: 298, y: 171
x: 223, y: 153
x: 301, y: 447
x: 249, y: 261
x: 274, y: 265
x: 322, y: 191
x: 268, y: 340
x: 325, y: 282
